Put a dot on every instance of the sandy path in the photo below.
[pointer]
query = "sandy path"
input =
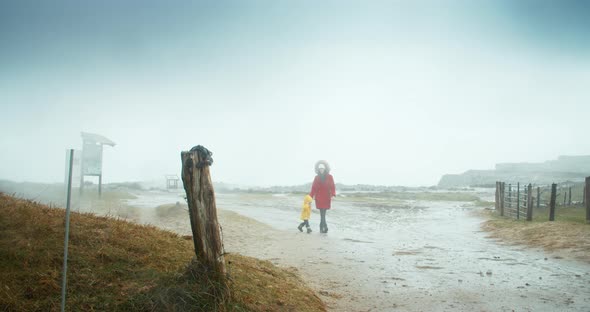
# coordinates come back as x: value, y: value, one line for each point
x: 426, y: 256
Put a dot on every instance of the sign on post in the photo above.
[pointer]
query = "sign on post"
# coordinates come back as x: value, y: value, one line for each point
x: 92, y: 158
x: 91, y: 163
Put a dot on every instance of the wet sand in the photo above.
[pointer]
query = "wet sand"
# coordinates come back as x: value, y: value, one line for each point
x: 419, y: 256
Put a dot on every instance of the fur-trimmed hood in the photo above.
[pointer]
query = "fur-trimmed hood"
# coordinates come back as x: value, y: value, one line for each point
x: 317, y: 171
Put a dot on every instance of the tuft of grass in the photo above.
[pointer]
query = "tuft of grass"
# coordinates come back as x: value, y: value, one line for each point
x: 195, y: 289
x: 257, y: 283
x: 574, y: 214
x: 115, y: 265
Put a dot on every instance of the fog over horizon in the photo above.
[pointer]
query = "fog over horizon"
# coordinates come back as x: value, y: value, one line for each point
x: 388, y: 92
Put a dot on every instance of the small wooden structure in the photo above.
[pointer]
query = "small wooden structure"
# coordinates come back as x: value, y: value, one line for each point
x: 172, y: 181
x: 91, y: 164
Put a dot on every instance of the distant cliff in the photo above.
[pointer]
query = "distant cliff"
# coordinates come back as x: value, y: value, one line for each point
x: 564, y: 168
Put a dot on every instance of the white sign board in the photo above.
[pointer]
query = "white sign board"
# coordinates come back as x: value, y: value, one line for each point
x: 92, y: 159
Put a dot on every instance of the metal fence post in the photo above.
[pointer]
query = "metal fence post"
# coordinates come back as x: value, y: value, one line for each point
x: 552, y: 202
x: 502, y: 197
x: 66, y: 239
x: 510, y: 196
x: 529, y: 206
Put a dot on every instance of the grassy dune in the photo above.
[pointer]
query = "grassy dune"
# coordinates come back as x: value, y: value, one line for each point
x: 115, y: 265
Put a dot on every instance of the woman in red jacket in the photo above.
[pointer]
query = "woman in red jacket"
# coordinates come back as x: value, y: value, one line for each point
x: 322, y: 190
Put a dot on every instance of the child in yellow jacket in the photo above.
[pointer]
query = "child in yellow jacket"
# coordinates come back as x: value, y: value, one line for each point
x: 305, y: 214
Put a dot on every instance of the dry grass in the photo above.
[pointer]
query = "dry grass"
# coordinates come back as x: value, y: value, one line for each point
x: 258, y: 283
x: 569, y: 235
x: 115, y: 265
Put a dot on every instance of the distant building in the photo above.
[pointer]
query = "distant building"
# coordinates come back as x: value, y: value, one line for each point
x: 564, y: 168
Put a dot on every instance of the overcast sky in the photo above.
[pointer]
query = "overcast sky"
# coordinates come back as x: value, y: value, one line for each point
x: 389, y: 92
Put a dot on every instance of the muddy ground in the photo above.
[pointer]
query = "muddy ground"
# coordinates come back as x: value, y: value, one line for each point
x: 385, y: 254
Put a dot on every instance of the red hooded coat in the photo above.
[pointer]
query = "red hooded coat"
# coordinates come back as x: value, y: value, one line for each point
x: 323, y: 191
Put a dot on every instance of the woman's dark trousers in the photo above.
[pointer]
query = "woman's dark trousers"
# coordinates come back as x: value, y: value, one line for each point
x: 323, y: 224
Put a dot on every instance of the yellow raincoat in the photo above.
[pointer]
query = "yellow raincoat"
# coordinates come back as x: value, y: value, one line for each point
x: 306, y: 209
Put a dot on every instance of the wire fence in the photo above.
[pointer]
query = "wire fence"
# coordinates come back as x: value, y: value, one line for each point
x: 518, y: 201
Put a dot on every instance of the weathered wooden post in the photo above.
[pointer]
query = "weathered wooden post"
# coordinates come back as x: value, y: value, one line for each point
x: 529, y: 206
x: 517, y: 197
x: 552, y: 202
x: 510, y: 196
x: 538, y: 197
x: 587, y: 199
x: 525, y: 198
x: 502, y: 197
x: 203, y: 211
x: 564, y: 196
x: 569, y: 199
x: 496, y: 196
